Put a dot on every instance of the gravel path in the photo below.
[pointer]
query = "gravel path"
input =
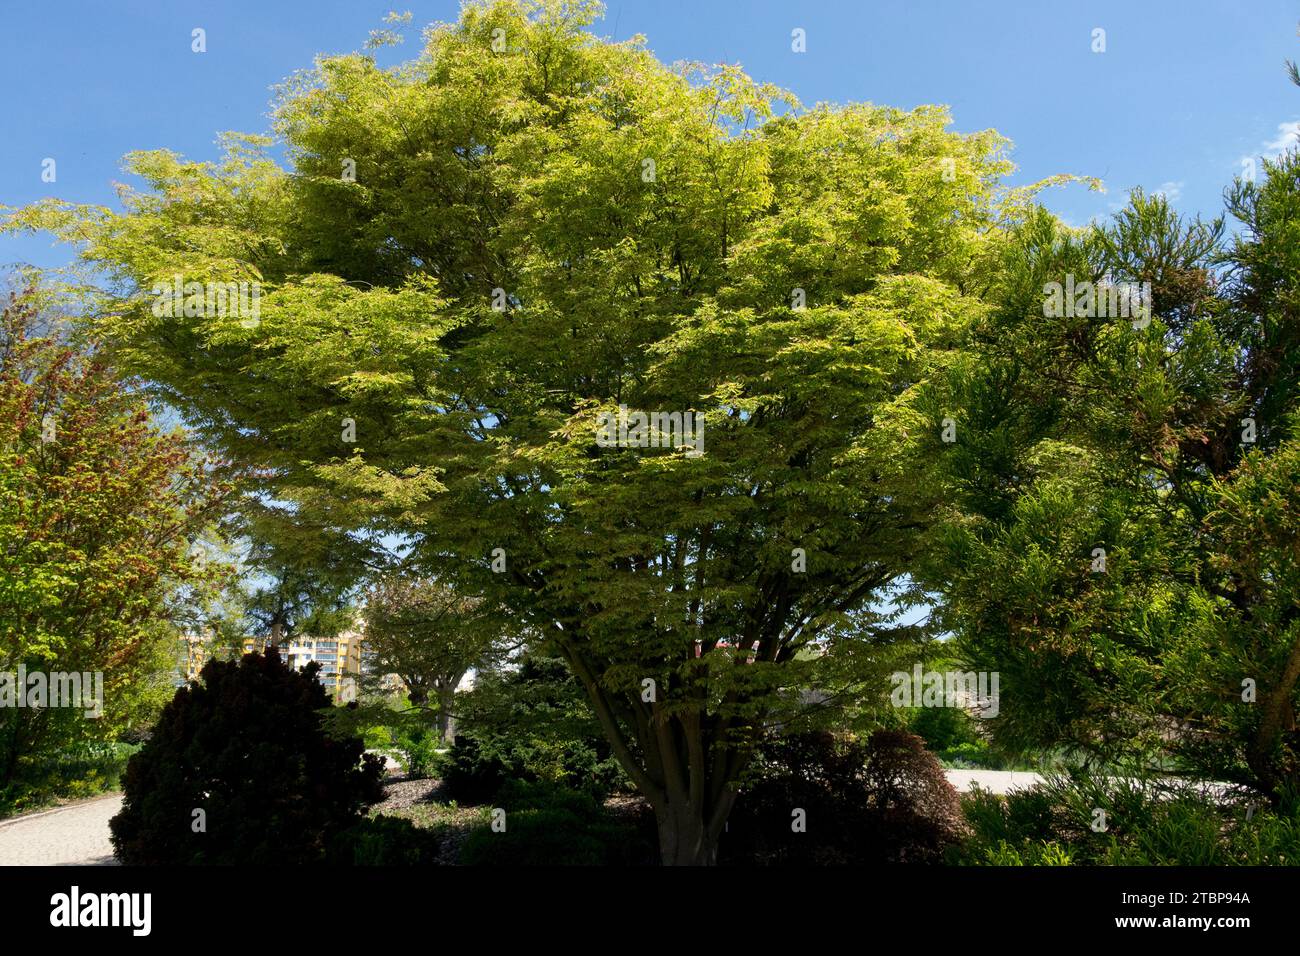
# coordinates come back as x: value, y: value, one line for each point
x: 75, y: 835
x: 997, y: 781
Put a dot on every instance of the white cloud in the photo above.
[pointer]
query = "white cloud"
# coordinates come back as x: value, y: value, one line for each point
x: 1171, y: 191
x: 1284, y: 140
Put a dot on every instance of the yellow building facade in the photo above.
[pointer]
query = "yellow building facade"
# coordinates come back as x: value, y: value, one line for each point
x: 339, y: 659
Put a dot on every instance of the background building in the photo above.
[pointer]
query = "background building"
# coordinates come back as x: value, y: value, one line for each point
x: 340, y: 658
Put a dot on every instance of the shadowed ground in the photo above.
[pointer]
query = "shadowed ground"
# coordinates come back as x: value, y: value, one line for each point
x: 77, y: 835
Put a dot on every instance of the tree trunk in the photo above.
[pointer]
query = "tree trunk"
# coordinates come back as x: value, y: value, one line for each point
x: 1276, y: 714
x: 446, y: 722
x: 682, y: 770
x: 684, y: 837
x: 691, y: 822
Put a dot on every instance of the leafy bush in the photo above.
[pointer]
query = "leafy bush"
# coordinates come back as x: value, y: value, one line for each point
x: 549, y: 837
x: 76, y: 771
x: 471, y: 774
x: 944, y: 728
x: 968, y: 754
x: 917, y: 812
x: 531, y: 724
x: 883, y: 801
x: 548, y: 825
x: 418, y: 743
x: 246, y: 746
x: 383, y: 841
x: 530, y: 795
x: 953, y: 735
x: 387, y: 726
x: 1147, y: 823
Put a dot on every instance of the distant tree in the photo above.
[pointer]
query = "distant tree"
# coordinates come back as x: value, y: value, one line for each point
x: 431, y: 637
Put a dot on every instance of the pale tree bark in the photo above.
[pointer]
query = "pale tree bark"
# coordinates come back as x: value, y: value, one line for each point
x: 446, y: 720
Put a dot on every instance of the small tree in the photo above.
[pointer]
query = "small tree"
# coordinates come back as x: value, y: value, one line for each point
x: 240, y: 770
x: 96, y: 506
x: 430, y: 637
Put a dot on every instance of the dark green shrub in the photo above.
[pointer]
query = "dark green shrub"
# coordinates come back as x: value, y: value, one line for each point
x: 548, y: 825
x: 244, y: 745
x: 883, y: 801
x: 534, y: 724
x: 383, y: 841
x: 471, y: 774
x: 552, y: 837
x: 532, y: 795
x: 943, y: 728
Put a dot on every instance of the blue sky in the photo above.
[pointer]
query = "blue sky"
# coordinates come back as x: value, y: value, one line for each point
x: 1183, y: 91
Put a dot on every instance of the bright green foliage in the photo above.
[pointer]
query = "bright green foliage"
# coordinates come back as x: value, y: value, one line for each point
x: 669, y: 240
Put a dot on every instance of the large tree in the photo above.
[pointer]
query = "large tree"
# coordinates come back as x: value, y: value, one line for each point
x: 476, y: 254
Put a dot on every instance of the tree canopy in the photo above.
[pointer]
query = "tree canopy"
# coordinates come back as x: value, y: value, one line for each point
x: 475, y: 254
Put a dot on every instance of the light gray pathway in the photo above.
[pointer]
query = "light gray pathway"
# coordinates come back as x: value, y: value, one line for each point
x: 998, y: 781
x: 75, y: 835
